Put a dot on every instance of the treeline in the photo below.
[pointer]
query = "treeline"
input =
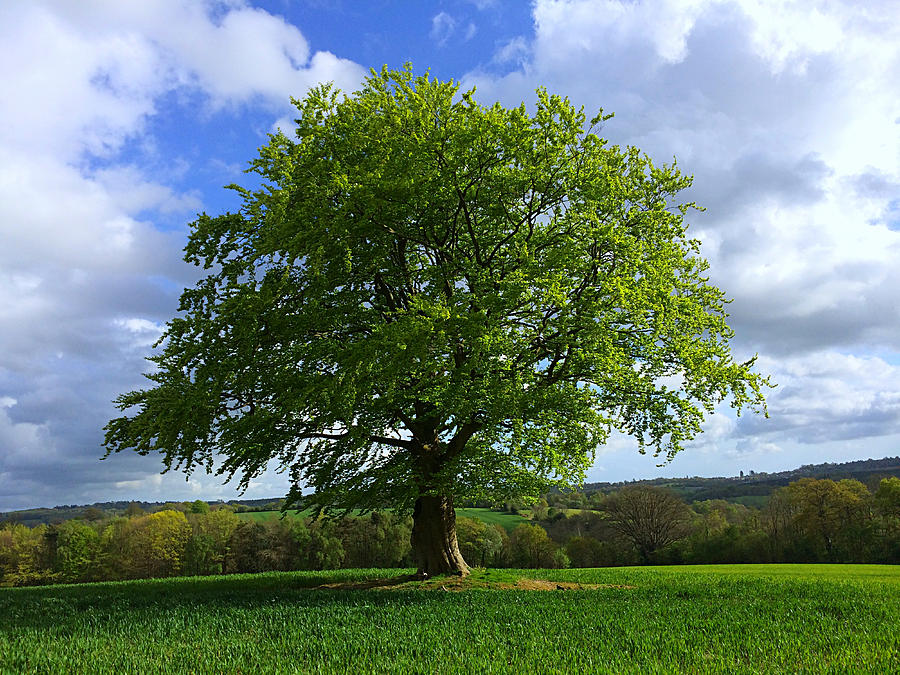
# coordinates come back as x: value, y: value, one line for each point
x: 194, y: 539
x: 809, y: 520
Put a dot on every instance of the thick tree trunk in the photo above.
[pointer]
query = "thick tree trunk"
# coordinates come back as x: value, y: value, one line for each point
x: 434, y: 544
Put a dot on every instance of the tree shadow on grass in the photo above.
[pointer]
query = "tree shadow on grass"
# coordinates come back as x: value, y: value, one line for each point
x: 65, y: 607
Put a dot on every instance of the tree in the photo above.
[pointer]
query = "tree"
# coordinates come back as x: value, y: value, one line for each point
x: 78, y: 551
x: 93, y: 514
x: 430, y: 300
x: 479, y: 542
x: 207, y: 549
x: 887, y: 497
x: 379, y: 540
x: 199, y: 506
x: 146, y: 546
x: 651, y: 517
x: 529, y: 546
x: 584, y: 552
x: 777, y: 519
x: 25, y: 557
x: 835, y: 514
x: 134, y: 510
x: 887, y: 502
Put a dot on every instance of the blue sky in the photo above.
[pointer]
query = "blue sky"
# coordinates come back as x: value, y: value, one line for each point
x: 120, y: 121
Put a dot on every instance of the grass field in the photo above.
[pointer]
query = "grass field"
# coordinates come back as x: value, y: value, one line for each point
x: 719, y: 619
x: 508, y: 521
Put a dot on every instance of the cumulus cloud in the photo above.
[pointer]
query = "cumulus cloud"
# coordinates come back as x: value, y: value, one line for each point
x: 443, y: 26
x: 797, y: 175
x: 829, y: 396
x: 514, y: 51
x: 87, y: 271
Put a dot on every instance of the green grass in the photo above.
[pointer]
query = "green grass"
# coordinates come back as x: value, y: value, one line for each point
x: 508, y: 521
x: 719, y: 619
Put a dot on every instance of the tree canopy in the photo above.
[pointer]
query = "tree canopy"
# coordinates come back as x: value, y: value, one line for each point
x: 431, y: 299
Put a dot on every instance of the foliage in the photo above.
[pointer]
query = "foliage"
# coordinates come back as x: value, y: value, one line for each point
x: 832, y: 515
x: 199, y: 506
x: 585, y: 552
x: 25, y: 555
x: 790, y: 528
x: 529, y: 546
x: 722, y: 619
x: 79, y: 552
x: 208, y: 548
x: 155, y: 544
x: 380, y: 539
x: 481, y: 544
x: 887, y: 497
x: 652, y: 518
x: 429, y: 297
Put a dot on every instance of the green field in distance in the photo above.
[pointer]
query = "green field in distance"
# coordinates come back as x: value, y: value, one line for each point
x: 716, y: 619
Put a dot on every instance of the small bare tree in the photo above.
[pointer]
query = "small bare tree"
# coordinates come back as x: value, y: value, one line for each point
x: 650, y: 517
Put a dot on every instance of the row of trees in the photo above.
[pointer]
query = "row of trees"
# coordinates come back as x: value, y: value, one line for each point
x: 172, y: 542
x: 808, y: 521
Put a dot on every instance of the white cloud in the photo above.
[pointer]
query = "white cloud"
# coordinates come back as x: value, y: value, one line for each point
x: 514, y: 51
x: 753, y: 447
x: 131, y: 192
x: 443, y: 26
x: 142, y: 332
x: 86, y: 273
x: 788, y: 34
x: 829, y: 396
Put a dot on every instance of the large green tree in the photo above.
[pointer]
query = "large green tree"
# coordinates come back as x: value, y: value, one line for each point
x: 430, y: 299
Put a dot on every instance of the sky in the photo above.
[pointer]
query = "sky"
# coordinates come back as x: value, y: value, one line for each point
x: 120, y: 121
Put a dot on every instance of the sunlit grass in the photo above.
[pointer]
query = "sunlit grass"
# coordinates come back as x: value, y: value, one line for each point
x: 508, y: 521
x: 725, y: 619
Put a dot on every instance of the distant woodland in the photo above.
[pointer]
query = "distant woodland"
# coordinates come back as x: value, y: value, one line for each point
x: 688, y: 521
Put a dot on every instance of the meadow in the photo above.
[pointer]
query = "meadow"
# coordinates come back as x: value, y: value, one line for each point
x: 717, y: 619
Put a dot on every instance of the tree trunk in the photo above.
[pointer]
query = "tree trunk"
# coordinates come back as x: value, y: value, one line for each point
x: 434, y: 544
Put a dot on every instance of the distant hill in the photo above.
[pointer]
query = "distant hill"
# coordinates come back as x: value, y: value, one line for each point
x: 752, y: 489
x: 58, y: 514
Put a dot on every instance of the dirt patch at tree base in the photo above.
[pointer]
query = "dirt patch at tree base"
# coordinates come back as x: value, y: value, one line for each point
x: 456, y: 584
